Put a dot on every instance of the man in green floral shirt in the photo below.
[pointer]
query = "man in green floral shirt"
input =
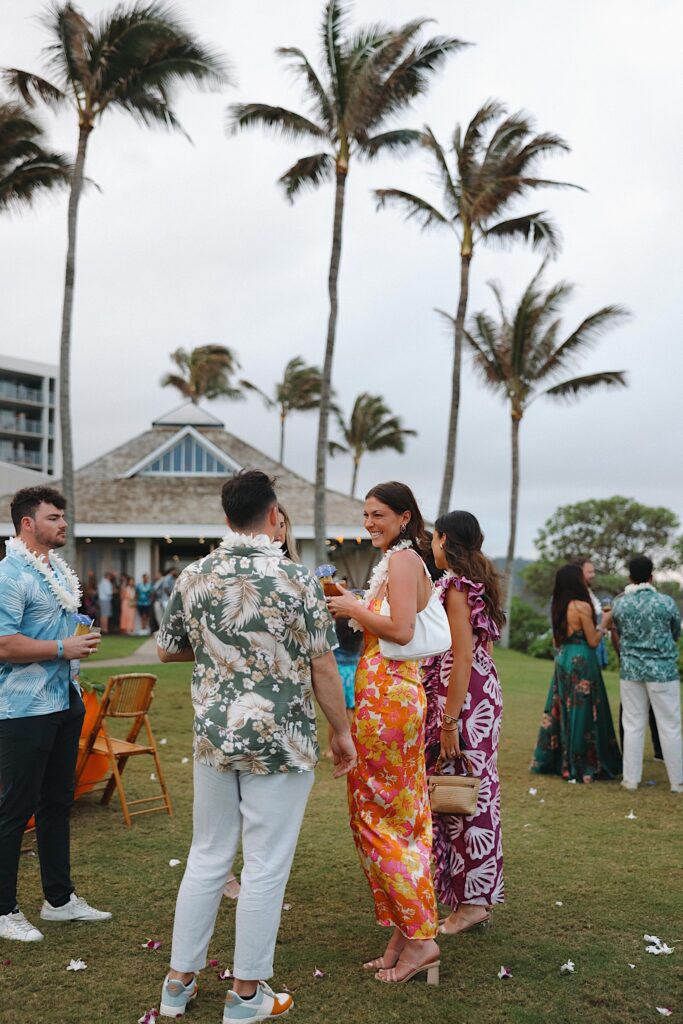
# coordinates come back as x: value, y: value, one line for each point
x: 258, y: 630
x: 648, y: 625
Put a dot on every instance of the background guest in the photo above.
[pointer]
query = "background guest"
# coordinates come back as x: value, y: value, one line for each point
x: 285, y: 535
x: 588, y: 573
x: 105, y: 595
x: 128, y: 605
x: 143, y: 596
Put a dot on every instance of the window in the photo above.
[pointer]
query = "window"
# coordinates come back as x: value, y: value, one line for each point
x: 188, y: 457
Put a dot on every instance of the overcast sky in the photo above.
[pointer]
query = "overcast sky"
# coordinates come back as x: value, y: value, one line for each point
x: 190, y: 244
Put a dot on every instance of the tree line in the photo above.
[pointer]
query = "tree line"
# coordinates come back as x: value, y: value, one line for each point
x: 134, y: 59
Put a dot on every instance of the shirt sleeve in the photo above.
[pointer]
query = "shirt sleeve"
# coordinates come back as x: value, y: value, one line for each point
x: 675, y: 620
x: 322, y: 635
x: 172, y: 635
x: 12, y: 602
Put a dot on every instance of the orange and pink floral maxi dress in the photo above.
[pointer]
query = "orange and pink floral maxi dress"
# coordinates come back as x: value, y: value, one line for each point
x: 388, y: 799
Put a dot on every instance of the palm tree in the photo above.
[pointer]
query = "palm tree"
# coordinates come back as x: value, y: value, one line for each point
x: 520, y: 356
x: 26, y: 167
x: 298, y: 391
x: 488, y: 176
x: 372, y: 427
x: 204, y: 372
x: 368, y: 77
x: 130, y: 60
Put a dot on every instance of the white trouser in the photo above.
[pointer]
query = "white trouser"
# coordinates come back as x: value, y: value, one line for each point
x: 267, y: 811
x: 666, y: 704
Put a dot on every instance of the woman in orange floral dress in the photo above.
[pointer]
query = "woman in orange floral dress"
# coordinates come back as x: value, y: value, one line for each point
x: 388, y: 799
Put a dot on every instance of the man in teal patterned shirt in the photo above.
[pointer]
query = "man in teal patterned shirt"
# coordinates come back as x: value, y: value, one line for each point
x: 648, y: 625
x: 257, y: 628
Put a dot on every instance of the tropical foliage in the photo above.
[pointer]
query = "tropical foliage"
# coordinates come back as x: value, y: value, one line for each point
x: 494, y: 164
x: 521, y: 356
x: 298, y: 391
x: 205, y: 372
x: 372, y: 427
x: 27, y: 168
x: 131, y: 60
x: 369, y: 76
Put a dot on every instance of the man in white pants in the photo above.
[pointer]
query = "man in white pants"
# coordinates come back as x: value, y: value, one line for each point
x: 258, y: 629
x: 648, y: 625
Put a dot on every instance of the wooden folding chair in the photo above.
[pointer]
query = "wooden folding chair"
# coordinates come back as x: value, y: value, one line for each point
x: 126, y: 696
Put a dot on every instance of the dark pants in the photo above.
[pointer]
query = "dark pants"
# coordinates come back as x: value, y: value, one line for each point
x: 654, y: 732
x: 37, y: 776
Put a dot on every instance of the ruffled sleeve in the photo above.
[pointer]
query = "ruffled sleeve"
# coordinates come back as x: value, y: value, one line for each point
x: 480, y: 620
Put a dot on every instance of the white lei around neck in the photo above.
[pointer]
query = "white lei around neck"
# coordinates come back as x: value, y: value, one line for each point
x: 379, y: 577
x: 61, y: 579
x: 633, y: 588
x: 260, y: 541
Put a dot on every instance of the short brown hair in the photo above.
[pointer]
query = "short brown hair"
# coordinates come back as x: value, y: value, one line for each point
x: 26, y: 501
x: 247, y: 496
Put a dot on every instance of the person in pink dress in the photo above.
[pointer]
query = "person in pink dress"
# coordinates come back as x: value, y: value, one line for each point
x: 128, y: 605
x: 464, y: 712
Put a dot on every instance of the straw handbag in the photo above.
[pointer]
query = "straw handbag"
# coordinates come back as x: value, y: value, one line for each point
x: 454, y: 794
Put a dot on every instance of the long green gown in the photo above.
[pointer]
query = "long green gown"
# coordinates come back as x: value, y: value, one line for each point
x: 576, y: 738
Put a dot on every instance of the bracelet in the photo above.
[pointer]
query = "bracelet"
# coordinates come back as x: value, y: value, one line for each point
x: 452, y: 728
x: 60, y: 648
x: 449, y: 718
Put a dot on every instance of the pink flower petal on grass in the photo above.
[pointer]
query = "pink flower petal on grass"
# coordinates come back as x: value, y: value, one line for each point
x: 213, y: 963
x: 151, y: 944
x: 149, y: 1016
x: 664, y: 1010
x: 6, y: 963
x: 225, y: 975
x: 317, y: 973
x: 504, y: 973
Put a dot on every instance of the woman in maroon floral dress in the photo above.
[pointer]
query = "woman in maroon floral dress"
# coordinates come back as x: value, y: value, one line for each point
x: 464, y: 709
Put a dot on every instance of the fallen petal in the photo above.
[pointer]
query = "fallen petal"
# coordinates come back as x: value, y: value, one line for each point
x: 6, y: 963
x: 631, y: 816
x: 149, y: 1016
x: 173, y: 863
x: 286, y: 906
x: 152, y: 777
x: 533, y: 791
x: 571, y: 782
x: 184, y: 760
x: 225, y: 974
x: 213, y: 963
x: 559, y: 903
x: 317, y: 973
x: 151, y: 944
x: 504, y: 973
x: 632, y: 966
x: 651, y: 938
x: 163, y: 742
x: 664, y: 1010
x: 541, y: 801
x: 567, y: 968
x: 77, y: 965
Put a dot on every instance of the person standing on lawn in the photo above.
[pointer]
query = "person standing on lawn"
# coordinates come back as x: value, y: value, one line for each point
x: 256, y: 626
x: 648, y: 625
x: 41, y: 710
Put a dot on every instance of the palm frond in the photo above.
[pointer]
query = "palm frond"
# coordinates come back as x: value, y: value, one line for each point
x: 411, y: 77
x: 400, y: 140
x: 575, y: 387
x: 69, y: 51
x: 448, y: 185
x: 32, y: 88
x: 334, y: 448
x: 413, y: 207
x: 332, y: 29
x: 302, y: 68
x: 286, y: 123
x: 583, y: 338
x: 308, y: 172
x: 536, y: 228
x: 265, y: 398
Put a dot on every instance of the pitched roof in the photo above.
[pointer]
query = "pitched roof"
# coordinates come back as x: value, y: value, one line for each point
x: 109, y: 503
x: 188, y: 415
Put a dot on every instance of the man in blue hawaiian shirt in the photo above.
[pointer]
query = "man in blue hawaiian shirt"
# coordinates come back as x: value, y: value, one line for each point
x: 648, y: 625
x: 41, y: 710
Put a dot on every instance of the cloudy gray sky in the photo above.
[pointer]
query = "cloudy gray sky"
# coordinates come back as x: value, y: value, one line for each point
x: 189, y: 244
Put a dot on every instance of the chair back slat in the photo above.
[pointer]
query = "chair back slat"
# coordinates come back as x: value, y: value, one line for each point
x: 130, y: 695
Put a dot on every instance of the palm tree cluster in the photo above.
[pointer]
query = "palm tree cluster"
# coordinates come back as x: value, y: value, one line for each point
x: 356, y: 95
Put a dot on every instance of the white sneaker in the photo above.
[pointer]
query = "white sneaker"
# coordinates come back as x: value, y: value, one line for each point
x: 75, y: 910
x: 677, y: 788
x: 630, y: 786
x: 263, y: 1005
x: 15, y: 926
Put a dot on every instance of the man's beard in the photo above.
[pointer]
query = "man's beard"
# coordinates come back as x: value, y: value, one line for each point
x: 50, y: 542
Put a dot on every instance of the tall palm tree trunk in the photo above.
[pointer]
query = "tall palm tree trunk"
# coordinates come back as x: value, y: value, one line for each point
x: 326, y: 387
x: 449, y: 467
x: 68, y: 487
x: 354, y: 475
x: 282, y: 438
x: 514, y: 501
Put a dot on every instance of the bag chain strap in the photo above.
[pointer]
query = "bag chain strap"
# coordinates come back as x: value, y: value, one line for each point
x: 463, y: 757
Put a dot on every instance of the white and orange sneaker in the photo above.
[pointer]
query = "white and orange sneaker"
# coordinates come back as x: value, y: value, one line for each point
x: 263, y: 1005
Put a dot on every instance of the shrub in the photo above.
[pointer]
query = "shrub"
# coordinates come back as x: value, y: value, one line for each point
x: 526, y: 625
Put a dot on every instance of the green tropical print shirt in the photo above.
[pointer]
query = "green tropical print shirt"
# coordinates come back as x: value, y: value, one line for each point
x: 254, y: 620
x: 648, y: 624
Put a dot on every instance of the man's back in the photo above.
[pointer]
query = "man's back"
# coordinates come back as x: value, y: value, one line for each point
x: 648, y: 624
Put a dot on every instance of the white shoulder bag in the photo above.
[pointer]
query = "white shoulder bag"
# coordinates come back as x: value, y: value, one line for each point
x: 432, y: 633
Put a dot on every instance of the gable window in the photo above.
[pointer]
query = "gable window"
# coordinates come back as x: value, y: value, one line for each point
x: 188, y: 457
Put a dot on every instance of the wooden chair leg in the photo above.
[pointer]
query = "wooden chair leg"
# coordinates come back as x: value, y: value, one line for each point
x: 162, y: 783
x: 111, y: 784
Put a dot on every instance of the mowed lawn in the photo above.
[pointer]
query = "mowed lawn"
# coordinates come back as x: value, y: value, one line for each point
x: 615, y: 878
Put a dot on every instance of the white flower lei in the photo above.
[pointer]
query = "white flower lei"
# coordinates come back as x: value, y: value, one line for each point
x: 379, y: 577
x: 248, y: 540
x: 633, y: 588
x: 62, y: 580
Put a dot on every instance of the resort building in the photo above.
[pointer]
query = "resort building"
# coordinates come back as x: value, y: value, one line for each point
x: 154, y: 502
x: 29, y: 423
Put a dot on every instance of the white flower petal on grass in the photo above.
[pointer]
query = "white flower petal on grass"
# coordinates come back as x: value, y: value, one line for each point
x: 651, y: 938
x: 317, y: 973
x: 632, y: 966
x: 286, y: 906
x: 184, y: 760
x: 149, y: 1016
x: 571, y: 782
x: 151, y: 944
x: 541, y: 801
x: 665, y: 1011
x: 567, y: 968
x: 173, y: 863
x: 77, y: 965
x: 152, y: 777
x: 559, y: 903
x: 504, y: 973
x: 225, y: 974
x: 533, y: 791
x: 631, y: 816
x: 163, y: 742
x: 657, y: 947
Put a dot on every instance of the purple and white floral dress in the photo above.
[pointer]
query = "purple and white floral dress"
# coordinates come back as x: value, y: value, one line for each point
x: 468, y: 851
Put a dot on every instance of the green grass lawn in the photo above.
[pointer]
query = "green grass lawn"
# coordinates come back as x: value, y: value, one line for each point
x: 616, y: 879
x: 115, y: 646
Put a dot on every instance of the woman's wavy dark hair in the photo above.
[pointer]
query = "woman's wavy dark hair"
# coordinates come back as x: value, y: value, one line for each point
x: 400, y: 499
x: 569, y: 586
x: 463, y: 541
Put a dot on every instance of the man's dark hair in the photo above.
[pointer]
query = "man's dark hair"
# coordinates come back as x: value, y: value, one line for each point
x: 247, y: 497
x: 26, y: 501
x: 640, y: 568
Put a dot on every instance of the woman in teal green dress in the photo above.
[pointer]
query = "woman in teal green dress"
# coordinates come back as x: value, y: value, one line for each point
x: 576, y: 739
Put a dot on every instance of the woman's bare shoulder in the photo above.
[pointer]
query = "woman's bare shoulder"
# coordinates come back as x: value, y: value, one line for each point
x: 582, y: 607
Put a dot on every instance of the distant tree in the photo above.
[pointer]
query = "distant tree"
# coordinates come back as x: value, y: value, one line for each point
x: 131, y: 60
x: 368, y: 77
x: 298, y: 391
x: 27, y: 169
x: 372, y: 427
x: 609, y: 532
x: 205, y: 372
x: 494, y: 166
x: 520, y: 356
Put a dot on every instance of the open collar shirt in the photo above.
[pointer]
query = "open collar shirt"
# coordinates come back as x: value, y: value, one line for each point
x: 254, y: 620
x: 648, y: 624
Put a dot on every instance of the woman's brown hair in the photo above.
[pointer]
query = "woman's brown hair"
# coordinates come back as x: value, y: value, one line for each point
x: 400, y: 499
x: 289, y: 548
x: 463, y: 540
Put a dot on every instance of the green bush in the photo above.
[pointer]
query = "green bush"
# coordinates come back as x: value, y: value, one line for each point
x: 543, y: 646
x: 526, y: 625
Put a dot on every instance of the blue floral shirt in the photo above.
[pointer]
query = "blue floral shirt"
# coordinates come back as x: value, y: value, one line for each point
x: 648, y: 624
x: 28, y: 606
